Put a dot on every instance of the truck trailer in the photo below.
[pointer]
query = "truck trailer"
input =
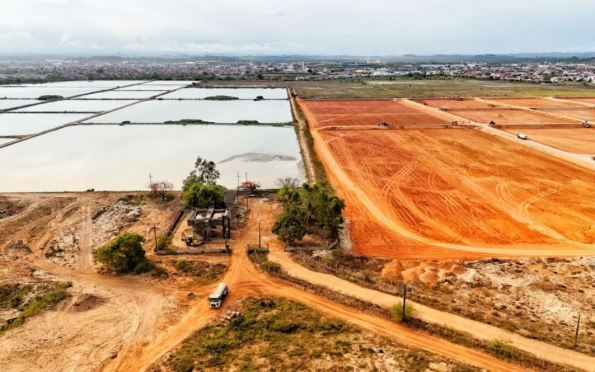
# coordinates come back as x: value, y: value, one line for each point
x: 216, y: 298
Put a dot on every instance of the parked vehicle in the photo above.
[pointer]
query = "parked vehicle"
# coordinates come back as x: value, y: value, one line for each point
x: 216, y: 298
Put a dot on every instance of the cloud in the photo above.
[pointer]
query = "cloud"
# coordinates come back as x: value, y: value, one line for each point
x: 275, y: 15
x: 15, y: 35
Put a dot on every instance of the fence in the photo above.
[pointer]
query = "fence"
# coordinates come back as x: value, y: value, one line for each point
x: 332, y: 246
x: 255, y: 248
x: 176, y: 252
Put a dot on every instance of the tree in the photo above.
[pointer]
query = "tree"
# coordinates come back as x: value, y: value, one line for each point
x: 259, y: 77
x: 205, y: 173
x: 250, y: 185
x: 125, y: 254
x: 161, y: 188
x: 289, y: 182
x: 289, y: 228
x: 204, y: 196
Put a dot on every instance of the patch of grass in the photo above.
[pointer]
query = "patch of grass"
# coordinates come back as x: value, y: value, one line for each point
x: 159, y: 272
x: 131, y: 199
x: 205, y: 272
x: 270, y: 323
x: 221, y: 98
x: 47, y: 295
x: 396, y: 311
x: 188, y: 121
x: 49, y: 97
x: 247, y: 121
x: 11, y: 294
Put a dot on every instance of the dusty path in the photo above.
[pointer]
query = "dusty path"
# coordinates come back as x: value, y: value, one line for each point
x: 303, y: 126
x: 480, y: 330
x: 245, y: 280
x: 86, y: 257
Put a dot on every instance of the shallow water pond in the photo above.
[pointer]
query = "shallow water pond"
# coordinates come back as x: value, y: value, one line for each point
x: 111, y: 157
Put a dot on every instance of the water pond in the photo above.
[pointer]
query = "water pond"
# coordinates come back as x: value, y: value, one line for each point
x: 107, y: 157
x: 19, y: 124
x: 76, y: 105
x: 10, y: 103
x: 156, y: 111
x: 242, y: 93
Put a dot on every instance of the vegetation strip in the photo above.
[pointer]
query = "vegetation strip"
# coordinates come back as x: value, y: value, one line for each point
x: 496, y: 348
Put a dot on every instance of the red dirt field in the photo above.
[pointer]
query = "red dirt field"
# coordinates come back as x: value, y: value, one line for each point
x: 333, y: 113
x: 453, y: 104
x: 576, y: 140
x: 533, y: 102
x: 582, y: 100
x: 507, y: 116
x: 580, y: 114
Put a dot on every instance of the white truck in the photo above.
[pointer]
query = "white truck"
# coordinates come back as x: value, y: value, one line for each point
x: 522, y: 136
x: 216, y: 298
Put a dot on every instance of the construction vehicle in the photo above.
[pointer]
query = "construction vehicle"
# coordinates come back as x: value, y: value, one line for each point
x: 216, y: 298
x: 191, y: 240
x: 522, y: 136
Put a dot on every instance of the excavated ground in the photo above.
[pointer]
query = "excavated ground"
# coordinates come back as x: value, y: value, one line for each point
x: 445, y: 194
x: 576, y: 140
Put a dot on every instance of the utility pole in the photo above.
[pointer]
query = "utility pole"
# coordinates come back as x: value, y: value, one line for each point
x: 404, y: 300
x: 154, y: 228
x: 259, y: 240
x: 246, y: 176
x: 238, y: 193
x: 150, y: 181
x: 578, y: 323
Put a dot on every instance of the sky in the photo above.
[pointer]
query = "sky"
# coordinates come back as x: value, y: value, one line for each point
x: 310, y: 27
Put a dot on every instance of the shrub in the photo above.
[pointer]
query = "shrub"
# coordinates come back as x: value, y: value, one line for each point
x: 397, y: 311
x: 284, y: 326
x: 125, y: 254
x: 163, y: 241
x: 204, y: 196
x: 159, y: 272
x: 271, y: 267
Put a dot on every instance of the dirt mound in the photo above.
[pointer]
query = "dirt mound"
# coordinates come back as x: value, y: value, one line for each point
x: 429, y: 273
x: 86, y: 302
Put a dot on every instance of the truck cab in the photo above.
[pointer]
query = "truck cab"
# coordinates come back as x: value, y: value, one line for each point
x: 216, y: 298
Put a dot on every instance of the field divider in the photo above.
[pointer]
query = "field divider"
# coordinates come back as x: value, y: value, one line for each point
x: 80, y: 121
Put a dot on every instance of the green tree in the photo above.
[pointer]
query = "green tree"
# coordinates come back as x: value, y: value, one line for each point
x: 205, y: 172
x: 289, y: 228
x: 204, y: 196
x: 125, y: 254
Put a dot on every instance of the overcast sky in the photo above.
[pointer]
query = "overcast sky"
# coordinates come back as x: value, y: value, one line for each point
x: 323, y: 27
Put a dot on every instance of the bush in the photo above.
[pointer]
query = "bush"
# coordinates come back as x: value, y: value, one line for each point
x: 271, y: 267
x: 204, y: 196
x: 159, y: 272
x: 284, y: 326
x: 164, y: 241
x: 125, y: 254
x: 397, y: 311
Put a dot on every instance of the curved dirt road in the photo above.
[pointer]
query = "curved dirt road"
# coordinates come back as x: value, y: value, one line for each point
x: 245, y: 280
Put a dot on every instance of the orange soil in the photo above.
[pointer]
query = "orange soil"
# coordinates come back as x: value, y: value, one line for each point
x: 583, y: 100
x: 576, y: 140
x: 507, y: 116
x: 533, y: 102
x: 580, y: 114
x: 446, y: 194
x: 453, y: 104
x: 333, y: 113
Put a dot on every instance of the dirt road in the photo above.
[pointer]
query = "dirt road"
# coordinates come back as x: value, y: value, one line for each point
x: 245, y: 280
x: 480, y: 330
x: 303, y: 127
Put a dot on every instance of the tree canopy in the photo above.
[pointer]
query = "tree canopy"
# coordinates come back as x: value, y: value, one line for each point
x: 204, y: 196
x: 205, y: 172
x: 314, y: 205
x: 125, y: 254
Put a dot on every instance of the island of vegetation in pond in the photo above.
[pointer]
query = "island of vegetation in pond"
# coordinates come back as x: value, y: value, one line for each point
x: 188, y: 121
x: 49, y: 97
x: 221, y: 98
